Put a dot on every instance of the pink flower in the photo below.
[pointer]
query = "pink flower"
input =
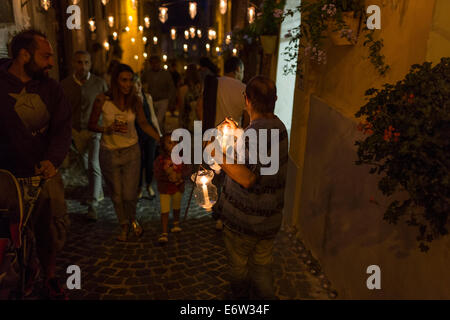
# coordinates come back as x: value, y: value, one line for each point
x: 278, y: 13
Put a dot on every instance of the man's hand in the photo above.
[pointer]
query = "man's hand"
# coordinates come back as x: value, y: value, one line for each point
x: 46, y: 169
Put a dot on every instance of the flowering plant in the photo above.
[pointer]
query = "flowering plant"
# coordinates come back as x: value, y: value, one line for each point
x: 319, y: 16
x: 408, y: 141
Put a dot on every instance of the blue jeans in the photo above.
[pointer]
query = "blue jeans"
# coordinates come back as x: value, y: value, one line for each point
x: 251, y: 261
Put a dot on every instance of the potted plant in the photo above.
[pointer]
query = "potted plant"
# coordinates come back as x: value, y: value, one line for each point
x: 344, y: 29
x: 267, y: 24
x: 408, y: 143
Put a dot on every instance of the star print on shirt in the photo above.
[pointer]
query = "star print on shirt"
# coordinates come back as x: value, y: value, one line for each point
x: 31, y: 110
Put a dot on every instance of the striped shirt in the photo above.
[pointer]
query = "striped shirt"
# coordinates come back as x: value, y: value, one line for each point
x: 257, y: 211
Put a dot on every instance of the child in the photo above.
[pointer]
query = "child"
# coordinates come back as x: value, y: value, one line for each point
x: 170, y: 181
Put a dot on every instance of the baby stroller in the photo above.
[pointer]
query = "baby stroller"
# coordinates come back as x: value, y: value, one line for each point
x: 18, y: 263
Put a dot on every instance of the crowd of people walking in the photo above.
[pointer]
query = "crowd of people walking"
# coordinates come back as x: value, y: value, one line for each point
x: 120, y: 127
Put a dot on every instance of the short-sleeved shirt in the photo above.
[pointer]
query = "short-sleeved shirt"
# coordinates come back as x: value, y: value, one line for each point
x: 257, y: 211
x: 230, y: 99
x: 82, y: 97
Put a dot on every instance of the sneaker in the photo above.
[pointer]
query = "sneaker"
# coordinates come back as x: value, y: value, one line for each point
x: 219, y: 225
x: 92, y: 213
x: 54, y: 290
x: 176, y: 228
x: 163, y: 238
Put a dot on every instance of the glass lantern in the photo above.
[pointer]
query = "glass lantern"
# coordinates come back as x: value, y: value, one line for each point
x: 205, y: 193
x: 227, y: 134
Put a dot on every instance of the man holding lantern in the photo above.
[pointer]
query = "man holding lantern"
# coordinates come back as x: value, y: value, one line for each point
x: 251, y: 203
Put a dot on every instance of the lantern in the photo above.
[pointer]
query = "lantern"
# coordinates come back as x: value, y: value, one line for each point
x: 173, y: 33
x: 235, y: 52
x: 91, y: 23
x: 251, y: 14
x: 212, y: 35
x: 145, y: 55
x: 164, y: 57
x: 163, y: 14
x: 155, y: 40
x: 186, y: 34
x: 217, y: 49
x: 147, y: 22
x: 111, y: 21
x: 228, y: 39
x: 199, y: 33
x: 205, y: 193
x: 208, y: 47
x: 192, y: 32
x: 223, y: 6
x: 105, y: 2
x: 192, y: 9
x: 166, y: 67
x: 106, y: 45
x: 141, y: 29
x: 185, y: 47
x: 227, y: 134
x: 144, y: 39
x: 115, y: 35
x: 185, y: 68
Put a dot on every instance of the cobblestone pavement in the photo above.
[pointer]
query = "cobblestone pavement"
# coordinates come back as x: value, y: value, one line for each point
x: 192, y: 265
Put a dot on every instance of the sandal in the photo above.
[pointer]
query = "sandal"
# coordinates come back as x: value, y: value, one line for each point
x: 137, y: 228
x: 163, y: 238
x: 123, y: 236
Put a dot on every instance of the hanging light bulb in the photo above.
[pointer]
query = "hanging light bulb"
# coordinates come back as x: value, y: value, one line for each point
x: 228, y: 39
x: 145, y: 55
x: 185, y: 47
x: 199, y: 33
x: 173, y: 33
x: 166, y: 67
x: 141, y: 28
x: 130, y: 18
x: 235, y: 52
x: 212, y: 35
x: 115, y: 35
x: 208, y: 47
x: 165, y: 58
x: 186, y: 34
x: 147, y: 22
x: 163, y: 14
x: 205, y: 193
x: 192, y: 32
x: 251, y: 14
x: 192, y: 9
x: 217, y: 49
x: 155, y: 40
x: 111, y: 21
x: 91, y: 23
x: 127, y: 29
x: 223, y: 6
x: 105, y: 2
x: 46, y: 4
x: 144, y: 39
x: 106, y: 45
x: 133, y: 40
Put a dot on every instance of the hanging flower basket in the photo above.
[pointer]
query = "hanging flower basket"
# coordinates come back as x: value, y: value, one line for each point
x: 347, y: 35
x: 269, y: 44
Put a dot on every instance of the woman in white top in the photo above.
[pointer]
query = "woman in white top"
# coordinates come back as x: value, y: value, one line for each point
x: 120, y: 155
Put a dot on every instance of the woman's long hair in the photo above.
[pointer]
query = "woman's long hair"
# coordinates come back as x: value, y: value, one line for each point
x: 131, y: 99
